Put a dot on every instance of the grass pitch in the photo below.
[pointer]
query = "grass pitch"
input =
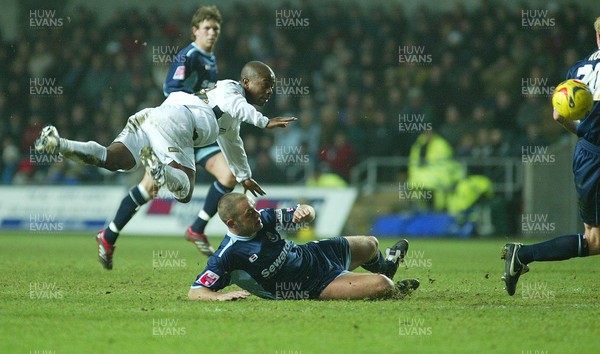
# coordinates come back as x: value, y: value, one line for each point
x: 56, y: 298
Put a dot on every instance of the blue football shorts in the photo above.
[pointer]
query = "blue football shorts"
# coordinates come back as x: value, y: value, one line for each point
x: 586, y: 173
x: 331, y: 259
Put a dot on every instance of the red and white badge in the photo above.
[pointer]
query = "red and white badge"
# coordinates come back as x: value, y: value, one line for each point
x: 179, y: 73
x: 208, y: 278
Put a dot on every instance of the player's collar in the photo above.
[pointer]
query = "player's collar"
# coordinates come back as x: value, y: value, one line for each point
x: 240, y: 238
x: 202, y: 51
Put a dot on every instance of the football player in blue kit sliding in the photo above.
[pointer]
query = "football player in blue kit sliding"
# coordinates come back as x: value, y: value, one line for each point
x: 586, y: 172
x: 255, y: 257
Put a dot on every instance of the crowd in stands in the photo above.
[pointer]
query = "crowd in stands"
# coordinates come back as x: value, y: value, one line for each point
x: 480, y: 78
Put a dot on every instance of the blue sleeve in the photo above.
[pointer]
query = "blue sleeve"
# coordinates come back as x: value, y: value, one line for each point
x: 572, y: 73
x: 277, y: 217
x: 215, y: 276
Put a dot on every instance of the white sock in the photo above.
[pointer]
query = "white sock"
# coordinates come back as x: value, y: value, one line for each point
x: 177, y: 182
x: 144, y: 192
x: 203, y: 215
x: 113, y: 228
x: 90, y: 153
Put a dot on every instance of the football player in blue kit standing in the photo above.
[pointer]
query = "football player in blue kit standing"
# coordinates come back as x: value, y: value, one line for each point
x: 255, y: 257
x: 586, y: 172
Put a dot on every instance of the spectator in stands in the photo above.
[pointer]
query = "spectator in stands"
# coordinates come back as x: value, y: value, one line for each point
x: 339, y: 155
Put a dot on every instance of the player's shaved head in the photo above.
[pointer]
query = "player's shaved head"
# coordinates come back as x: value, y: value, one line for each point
x: 256, y: 70
x: 229, y: 206
x: 597, y: 25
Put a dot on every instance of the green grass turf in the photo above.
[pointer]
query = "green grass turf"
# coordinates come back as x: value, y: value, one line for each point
x: 56, y: 298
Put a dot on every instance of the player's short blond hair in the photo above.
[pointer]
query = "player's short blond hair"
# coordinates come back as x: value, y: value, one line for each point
x: 205, y: 13
x: 228, y: 207
x: 597, y: 25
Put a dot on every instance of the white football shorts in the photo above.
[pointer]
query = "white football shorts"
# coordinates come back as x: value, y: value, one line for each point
x: 167, y: 129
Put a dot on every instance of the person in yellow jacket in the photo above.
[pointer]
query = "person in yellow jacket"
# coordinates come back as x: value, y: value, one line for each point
x: 432, y: 168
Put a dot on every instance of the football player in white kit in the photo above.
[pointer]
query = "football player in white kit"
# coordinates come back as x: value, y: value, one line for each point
x: 163, y: 138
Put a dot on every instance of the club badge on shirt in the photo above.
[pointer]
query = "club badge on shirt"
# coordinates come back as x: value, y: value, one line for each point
x: 179, y: 73
x: 208, y: 278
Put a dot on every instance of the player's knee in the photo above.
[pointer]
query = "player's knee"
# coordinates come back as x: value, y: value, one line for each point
x: 118, y: 158
x: 373, y: 245
x: 383, y: 284
x: 593, y: 241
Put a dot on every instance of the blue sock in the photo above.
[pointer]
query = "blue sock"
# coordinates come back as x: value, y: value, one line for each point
x: 129, y: 206
x: 216, y: 191
x: 376, y: 265
x: 556, y: 249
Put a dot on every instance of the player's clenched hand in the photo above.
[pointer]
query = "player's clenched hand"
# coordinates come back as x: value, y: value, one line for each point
x: 281, y: 122
x: 234, y: 295
x: 304, y: 213
x: 251, y: 185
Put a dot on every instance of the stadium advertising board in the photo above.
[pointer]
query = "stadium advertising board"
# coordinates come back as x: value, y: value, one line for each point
x: 57, y: 208
x: 88, y: 208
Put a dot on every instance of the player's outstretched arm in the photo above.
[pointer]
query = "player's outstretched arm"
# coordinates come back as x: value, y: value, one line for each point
x: 205, y: 294
x: 280, y: 122
x: 304, y: 213
x: 569, y: 125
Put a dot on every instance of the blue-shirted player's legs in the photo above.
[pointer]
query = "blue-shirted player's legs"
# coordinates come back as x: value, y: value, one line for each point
x: 216, y: 165
x: 364, y: 251
x: 517, y: 256
x: 586, y: 173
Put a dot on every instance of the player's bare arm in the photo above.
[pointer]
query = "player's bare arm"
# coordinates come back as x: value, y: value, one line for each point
x: 205, y: 294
